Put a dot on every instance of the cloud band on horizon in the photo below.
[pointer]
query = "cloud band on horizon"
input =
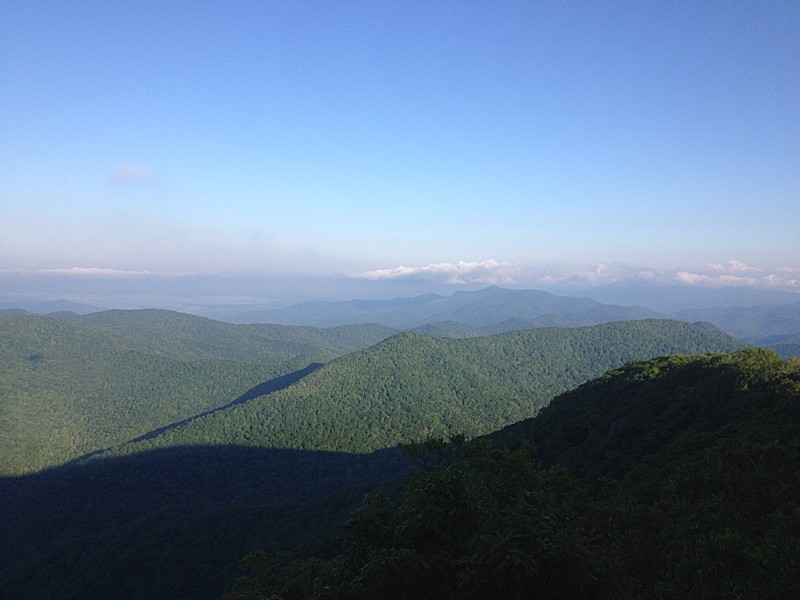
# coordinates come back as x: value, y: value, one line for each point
x: 463, y: 272
x: 493, y: 272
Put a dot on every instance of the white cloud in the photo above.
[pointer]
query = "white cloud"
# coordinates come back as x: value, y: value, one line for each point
x: 689, y: 278
x: 735, y: 265
x: 731, y: 273
x: 492, y: 272
x: 737, y: 273
x: 489, y: 272
x: 732, y: 266
x: 101, y: 271
x: 600, y: 273
x: 130, y: 173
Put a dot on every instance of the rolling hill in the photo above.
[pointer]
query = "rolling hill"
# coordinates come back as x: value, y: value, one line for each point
x: 169, y: 516
x: 73, y: 385
x: 185, y: 336
x: 413, y: 385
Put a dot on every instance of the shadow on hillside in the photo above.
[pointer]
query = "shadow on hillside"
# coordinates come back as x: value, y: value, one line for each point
x: 273, y: 385
x: 209, y: 476
x: 266, y: 387
x: 174, y: 518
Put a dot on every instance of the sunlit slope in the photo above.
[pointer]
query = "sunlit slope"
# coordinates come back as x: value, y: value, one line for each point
x: 412, y: 385
x: 70, y: 387
x: 186, y: 336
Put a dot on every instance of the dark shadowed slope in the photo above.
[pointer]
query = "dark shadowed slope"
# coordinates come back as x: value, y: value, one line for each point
x: 172, y: 523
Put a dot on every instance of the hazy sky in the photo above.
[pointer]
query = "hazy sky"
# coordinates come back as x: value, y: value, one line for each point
x: 505, y: 142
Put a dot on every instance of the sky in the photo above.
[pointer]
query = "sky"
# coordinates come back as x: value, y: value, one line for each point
x: 460, y: 143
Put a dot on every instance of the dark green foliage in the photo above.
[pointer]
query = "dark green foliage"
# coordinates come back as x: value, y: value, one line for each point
x: 68, y: 388
x: 491, y: 526
x: 173, y: 523
x: 693, y: 495
x: 653, y: 413
x: 190, y: 337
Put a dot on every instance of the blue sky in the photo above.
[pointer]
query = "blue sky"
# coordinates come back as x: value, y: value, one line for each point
x: 518, y: 143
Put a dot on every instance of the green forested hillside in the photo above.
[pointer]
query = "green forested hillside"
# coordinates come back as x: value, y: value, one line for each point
x: 190, y: 337
x: 71, y: 387
x: 670, y: 478
x: 413, y: 385
x: 172, y: 517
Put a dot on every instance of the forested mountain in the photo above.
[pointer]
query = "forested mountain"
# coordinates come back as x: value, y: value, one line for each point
x: 73, y: 385
x: 413, y: 385
x: 670, y: 478
x: 170, y: 516
x: 186, y: 336
x: 661, y: 411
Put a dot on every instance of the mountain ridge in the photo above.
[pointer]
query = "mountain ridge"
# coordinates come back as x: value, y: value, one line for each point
x: 72, y: 386
x: 495, y: 309
x: 475, y: 308
x: 412, y: 385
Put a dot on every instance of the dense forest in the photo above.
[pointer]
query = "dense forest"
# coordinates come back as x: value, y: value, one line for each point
x: 163, y: 502
x: 72, y: 385
x: 413, y: 385
x: 670, y: 478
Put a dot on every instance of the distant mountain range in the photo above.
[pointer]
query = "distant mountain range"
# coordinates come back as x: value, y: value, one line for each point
x: 496, y: 310
x: 478, y: 309
x: 42, y: 307
x: 750, y: 323
x: 768, y: 318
